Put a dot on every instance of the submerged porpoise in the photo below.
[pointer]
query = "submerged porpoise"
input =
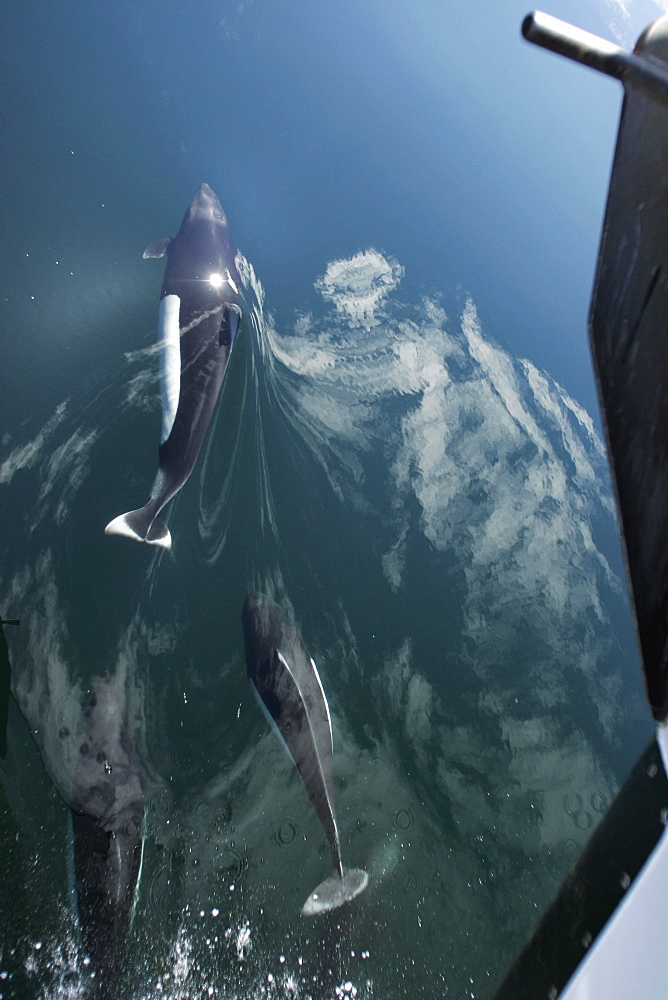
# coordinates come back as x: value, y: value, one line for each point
x: 5, y: 683
x: 198, y: 320
x: 287, y: 685
x: 106, y: 801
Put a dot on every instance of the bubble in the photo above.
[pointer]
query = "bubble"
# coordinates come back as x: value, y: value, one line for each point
x: 159, y: 803
x: 583, y: 820
x: 285, y: 833
x: 222, y: 818
x: 575, y: 809
x: 599, y: 802
x: 278, y: 763
x: 572, y: 803
x: 131, y: 827
x: 231, y: 863
x: 203, y: 815
x: 403, y: 819
x: 569, y: 850
x: 164, y: 892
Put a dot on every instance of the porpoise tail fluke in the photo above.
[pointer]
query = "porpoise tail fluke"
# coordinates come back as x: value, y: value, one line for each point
x: 287, y: 685
x: 335, y: 891
x: 142, y: 526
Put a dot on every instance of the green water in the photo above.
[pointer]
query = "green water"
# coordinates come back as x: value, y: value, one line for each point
x: 432, y: 511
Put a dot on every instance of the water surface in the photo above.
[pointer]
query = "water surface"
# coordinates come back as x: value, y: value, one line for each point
x: 406, y: 456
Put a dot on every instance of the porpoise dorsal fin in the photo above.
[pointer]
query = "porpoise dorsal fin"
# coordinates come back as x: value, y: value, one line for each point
x: 229, y: 326
x: 157, y: 249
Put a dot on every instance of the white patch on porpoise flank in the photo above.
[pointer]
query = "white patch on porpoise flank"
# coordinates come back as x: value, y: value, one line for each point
x: 169, y: 341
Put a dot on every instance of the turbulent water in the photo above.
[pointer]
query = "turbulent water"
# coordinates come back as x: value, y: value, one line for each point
x: 436, y: 516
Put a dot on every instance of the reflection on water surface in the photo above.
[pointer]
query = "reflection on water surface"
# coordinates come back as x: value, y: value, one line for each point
x: 435, y: 516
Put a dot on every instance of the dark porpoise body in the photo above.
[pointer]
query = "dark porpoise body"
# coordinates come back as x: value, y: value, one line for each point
x: 198, y: 322
x: 5, y: 683
x: 106, y: 801
x: 286, y: 682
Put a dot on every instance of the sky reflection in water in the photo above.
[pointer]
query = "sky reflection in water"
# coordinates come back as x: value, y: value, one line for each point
x: 437, y: 517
